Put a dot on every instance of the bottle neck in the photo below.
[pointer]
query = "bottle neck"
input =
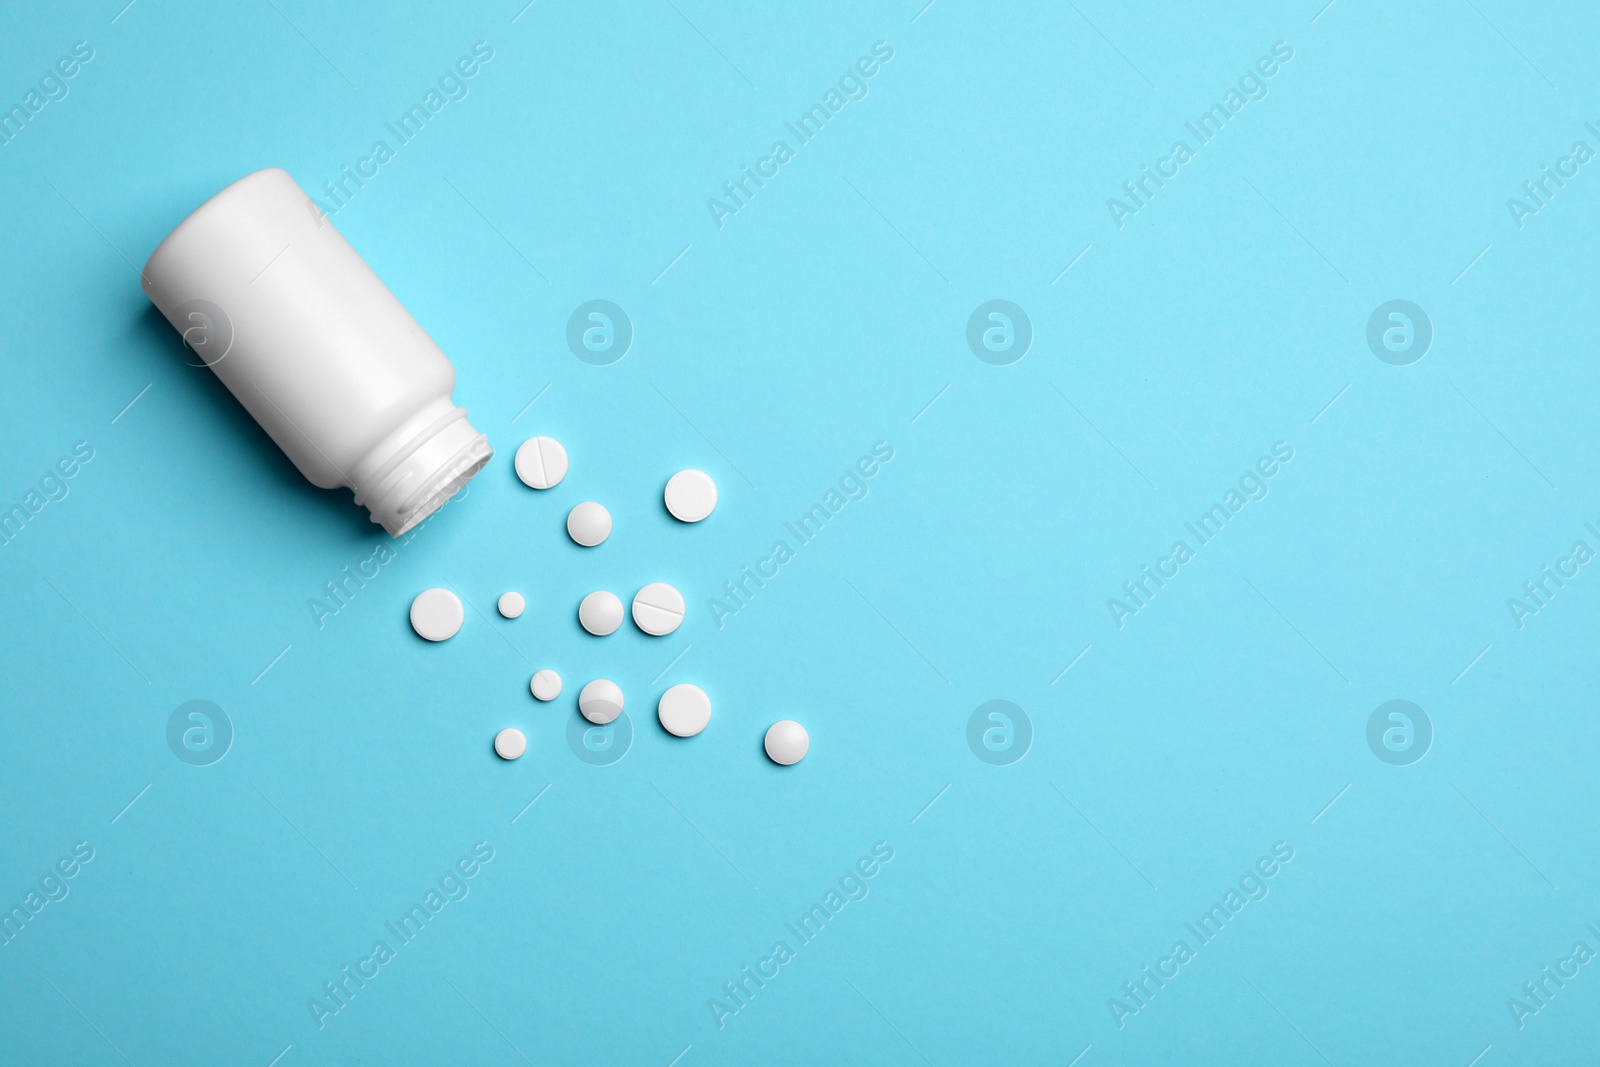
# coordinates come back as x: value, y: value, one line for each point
x: 411, y: 473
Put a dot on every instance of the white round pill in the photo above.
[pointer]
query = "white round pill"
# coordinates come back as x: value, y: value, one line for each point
x: 546, y: 685
x: 684, y: 710
x: 600, y: 613
x: 436, y: 614
x: 658, y: 609
x: 787, y: 742
x: 589, y: 524
x: 600, y: 701
x: 691, y: 495
x: 541, y: 462
x: 510, y: 743
x: 511, y: 604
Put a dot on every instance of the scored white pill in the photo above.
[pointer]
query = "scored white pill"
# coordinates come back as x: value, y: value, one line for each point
x: 541, y: 462
x: 600, y: 701
x: 511, y: 604
x: 684, y: 710
x: 787, y: 742
x: 546, y: 685
x: 510, y: 743
x: 691, y: 495
x: 658, y: 609
x: 436, y: 614
x: 589, y: 524
x: 600, y: 613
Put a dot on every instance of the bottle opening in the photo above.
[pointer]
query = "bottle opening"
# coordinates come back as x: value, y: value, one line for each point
x: 473, y: 460
x: 415, y: 472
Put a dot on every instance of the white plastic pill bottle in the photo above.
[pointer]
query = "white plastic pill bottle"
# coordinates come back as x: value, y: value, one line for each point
x: 274, y: 300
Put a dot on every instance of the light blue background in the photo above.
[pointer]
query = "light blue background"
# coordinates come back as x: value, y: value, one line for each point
x: 824, y: 317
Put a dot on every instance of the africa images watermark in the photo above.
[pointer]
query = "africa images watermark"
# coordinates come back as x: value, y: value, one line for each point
x: 1538, y: 992
x: 1399, y: 732
x: 852, y: 485
x: 453, y: 886
x: 53, y: 88
x: 1252, y: 485
x: 1538, y: 192
x: 52, y: 488
x: 852, y: 86
x: 739, y: 991
x: 53, y: 888
x: 1537, y: 592
x: 1252, y: 86
x: 452, y: 86
x: 199, y: 732
x: 338, y: 593
x: 1252, y: 885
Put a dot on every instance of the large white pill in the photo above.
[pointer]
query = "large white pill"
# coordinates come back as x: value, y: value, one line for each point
x: 511, y: 604
x: 684, y: 710
x: 600, y: 613
x: 600, y: 701
x: 436, y: 614
x: 541, y: 462
x: 691, y: 495
x: 658, y: 609
x: 510, y: 743
x: 546, y: 685
x: 589, y: 524
x: 787, y: 742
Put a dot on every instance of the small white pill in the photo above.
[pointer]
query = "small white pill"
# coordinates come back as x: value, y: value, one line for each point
x: 684, y: 710
x: 510, y: 743
x: 787, y: 742
x: 600, y: 701
x: 658, y: 609
x: 691, y: 495
x: 511, y: 604
x: 436, y: 614
x: 546, y: 685
x: 541, y: 462
x: 600, y: 613
x: 589, y: 524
